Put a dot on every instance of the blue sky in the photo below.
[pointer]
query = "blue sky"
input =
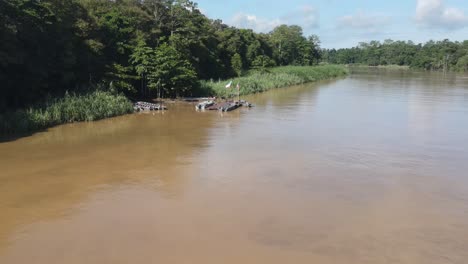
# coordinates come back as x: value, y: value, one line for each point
x: 345, y: 23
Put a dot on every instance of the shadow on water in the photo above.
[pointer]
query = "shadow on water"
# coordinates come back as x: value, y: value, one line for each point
x: 17, y: 136
x: 14, y: 137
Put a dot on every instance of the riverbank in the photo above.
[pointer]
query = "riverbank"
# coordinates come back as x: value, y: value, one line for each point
x: 71, y: 108
x: 273, y: 78
x: 99, y: 104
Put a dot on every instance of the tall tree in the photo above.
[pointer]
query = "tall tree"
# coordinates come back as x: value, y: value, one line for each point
x: 237, y: 64
x: 173, y: 73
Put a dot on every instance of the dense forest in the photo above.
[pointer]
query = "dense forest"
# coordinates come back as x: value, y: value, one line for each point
x: 434, y: 55
x: 135, y: 47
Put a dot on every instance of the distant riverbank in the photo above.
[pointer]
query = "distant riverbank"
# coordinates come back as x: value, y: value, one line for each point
x: 100, y: 104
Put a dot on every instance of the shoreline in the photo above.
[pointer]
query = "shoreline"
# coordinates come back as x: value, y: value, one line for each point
x: 386, y: 67
x: 101, y: 105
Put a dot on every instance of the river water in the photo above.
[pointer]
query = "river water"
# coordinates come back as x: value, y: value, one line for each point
x: 372, y: 168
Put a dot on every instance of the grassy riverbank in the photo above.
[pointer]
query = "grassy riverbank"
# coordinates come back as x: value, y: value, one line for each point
x: 70, y: 108
x: 257, y: 82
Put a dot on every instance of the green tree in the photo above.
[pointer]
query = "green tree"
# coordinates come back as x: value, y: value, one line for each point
x: 173, y: 73
x: 287, y: 41
x: 237, y: 64
x: 462, y: 64
x: 143, y: 60
x: 262, y: 62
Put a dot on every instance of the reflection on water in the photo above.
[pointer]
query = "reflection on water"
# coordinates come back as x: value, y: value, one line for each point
x: 367, y: 169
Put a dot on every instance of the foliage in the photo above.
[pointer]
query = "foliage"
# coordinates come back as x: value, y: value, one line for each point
x: 70, y: 108
x: 42, y: 49
x: 292, y: 48
x: 143, y: 61
x: 262, y: 62
x: 236, y: 63
x: 462, y: 64
x: 173, y: 73
x: 135, y: 47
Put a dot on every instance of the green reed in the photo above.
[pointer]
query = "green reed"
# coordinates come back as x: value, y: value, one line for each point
x: 70, y: 108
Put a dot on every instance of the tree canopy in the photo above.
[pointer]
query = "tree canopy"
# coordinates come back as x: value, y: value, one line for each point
x: 136, y: 47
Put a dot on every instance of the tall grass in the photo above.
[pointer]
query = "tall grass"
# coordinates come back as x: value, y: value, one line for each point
x: 257, y: 82
x: 70, y: 108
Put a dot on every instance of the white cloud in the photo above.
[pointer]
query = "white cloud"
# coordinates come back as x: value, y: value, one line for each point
x: 242, y: 20
x: 370, y: 23
x: 306, y: 16
x: 434, y: 13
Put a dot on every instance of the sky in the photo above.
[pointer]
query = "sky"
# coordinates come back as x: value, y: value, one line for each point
x: 345, y: 23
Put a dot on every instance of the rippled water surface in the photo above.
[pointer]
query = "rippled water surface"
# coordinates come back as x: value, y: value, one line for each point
x: 372, y: 168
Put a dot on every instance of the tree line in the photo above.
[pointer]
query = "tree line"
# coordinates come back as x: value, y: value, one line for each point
x: 135, y: 47
x: 433, y: 55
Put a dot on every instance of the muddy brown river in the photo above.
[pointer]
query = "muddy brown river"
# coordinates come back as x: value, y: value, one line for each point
x: 372, y: 168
